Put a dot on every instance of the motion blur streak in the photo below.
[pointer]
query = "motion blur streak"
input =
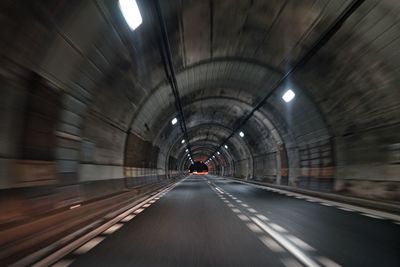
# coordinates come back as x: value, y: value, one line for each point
x: 199, y: 133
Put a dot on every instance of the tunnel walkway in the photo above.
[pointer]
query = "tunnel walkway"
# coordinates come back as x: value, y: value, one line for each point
x: 212, y: 221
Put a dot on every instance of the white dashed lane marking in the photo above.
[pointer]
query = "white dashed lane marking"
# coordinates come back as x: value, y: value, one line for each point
x: 138, y: 211
x: 89, y: 245
x: 252, y: 210
x: 113, y: 228
x: 243, y: 217
x: 253, y: 227
x: 262, y: 217
x: 128, y: 218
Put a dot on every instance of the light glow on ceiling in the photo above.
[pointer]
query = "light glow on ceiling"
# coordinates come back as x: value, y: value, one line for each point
x: 241, y: 134
x: 131, y: 13
x: 174, y: 121
x: 288, y: 96
x: 183, y: 141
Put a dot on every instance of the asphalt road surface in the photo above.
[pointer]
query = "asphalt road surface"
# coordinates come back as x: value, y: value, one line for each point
x: 211, y: 221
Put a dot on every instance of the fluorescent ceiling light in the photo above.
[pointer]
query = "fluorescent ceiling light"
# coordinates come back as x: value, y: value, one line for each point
x: 183, y: 141
x: 288, y: 96
x: 218, y: 152
x: 241, y: 134
x: 214, y: 157
x: 174, y: 121
x: 131, y: 12
x: 187, y: 150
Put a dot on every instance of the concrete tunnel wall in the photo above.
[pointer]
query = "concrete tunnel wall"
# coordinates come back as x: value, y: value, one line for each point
x: 85, y: 111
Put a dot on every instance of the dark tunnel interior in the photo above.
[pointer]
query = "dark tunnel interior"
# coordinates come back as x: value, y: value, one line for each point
x: 290, y: 110
x: 198, y: 167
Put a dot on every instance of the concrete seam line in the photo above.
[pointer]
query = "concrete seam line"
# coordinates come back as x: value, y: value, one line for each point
x: 35, y: 257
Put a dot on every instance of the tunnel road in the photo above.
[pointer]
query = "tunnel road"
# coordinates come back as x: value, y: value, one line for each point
x: 213, y: 221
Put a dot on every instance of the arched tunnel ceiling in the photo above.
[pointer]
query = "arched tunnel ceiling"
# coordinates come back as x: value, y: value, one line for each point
x: 243, y: 68
x: 226, y: 56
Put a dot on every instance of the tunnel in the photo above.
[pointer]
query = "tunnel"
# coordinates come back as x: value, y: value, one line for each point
x: 111, y: 110
x: 198, y: 167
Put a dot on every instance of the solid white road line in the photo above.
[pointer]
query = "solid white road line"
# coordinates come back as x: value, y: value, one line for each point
x: 262, y: 217
x: 271, y: 244
x: 345, y: 209
x: 371, y: 216
x: 300, y: 243
x: 278, y: 228
x: 71, y: 246
x: 219, y: 190
x: 326, y: 204
x: 288, y: 262
x: 328, y: 262
x: 286, y: 244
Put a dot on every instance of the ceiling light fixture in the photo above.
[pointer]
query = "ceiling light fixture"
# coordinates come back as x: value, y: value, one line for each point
x: 288, y: 96
x: 131, y: 13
